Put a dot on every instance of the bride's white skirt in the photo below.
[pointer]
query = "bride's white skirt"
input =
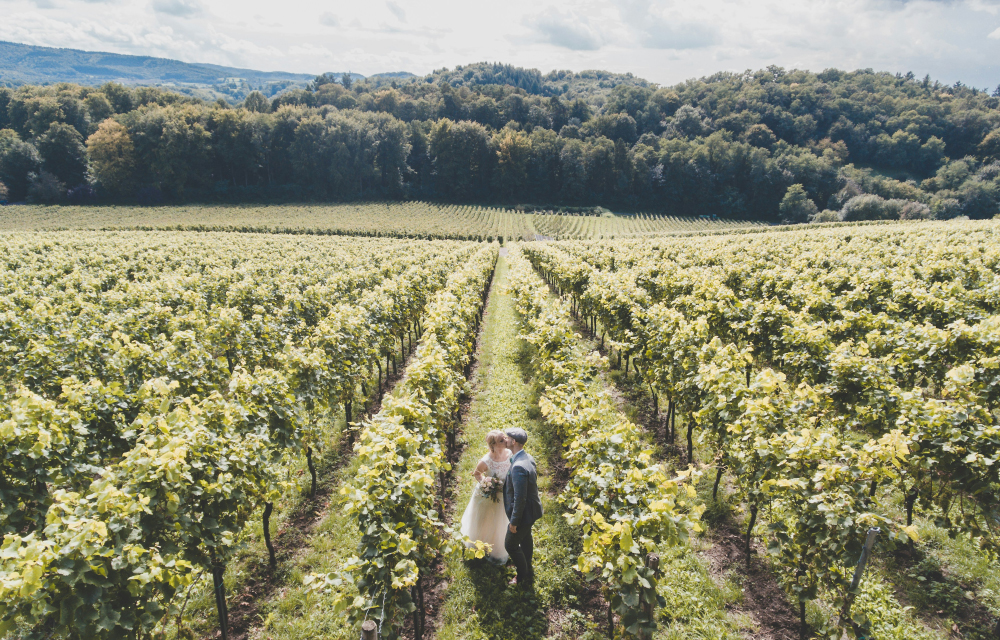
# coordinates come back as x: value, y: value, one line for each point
x: 486, y: 521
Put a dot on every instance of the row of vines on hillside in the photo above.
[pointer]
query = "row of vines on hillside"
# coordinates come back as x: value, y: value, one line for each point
x: 820, y: 369
x: 398, y: 492
x: 157, y: 389
x: 622, y: 500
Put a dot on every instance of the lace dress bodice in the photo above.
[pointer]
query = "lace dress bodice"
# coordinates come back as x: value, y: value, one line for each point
x: 496, y: 469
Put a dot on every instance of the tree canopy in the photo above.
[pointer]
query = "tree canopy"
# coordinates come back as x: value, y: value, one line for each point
x: 732, y: 145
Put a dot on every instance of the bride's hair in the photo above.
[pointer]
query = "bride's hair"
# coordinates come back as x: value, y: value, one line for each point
x: 493, y: 437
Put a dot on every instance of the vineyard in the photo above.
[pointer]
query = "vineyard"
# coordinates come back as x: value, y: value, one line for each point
x: 407, y: 219
x: 270, y: 435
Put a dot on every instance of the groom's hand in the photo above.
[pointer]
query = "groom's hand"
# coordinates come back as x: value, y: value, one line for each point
x: 513, y: 528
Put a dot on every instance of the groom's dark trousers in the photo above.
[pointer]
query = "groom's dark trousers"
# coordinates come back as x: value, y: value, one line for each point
x: 520, y: 501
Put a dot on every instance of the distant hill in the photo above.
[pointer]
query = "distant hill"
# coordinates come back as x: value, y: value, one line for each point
x: 27, y: 64
x: 566, y: 84
x: 22, y: 64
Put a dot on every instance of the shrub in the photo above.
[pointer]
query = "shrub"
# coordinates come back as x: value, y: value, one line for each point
x: 3, y: 192
x: 82, y: 194
x: 946, y: 208
x: 45, y: 188
x: 916, y: 211
x: 871, y: 207
x: 826, y: 215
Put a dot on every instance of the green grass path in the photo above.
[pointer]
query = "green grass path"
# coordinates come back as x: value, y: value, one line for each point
x: 479, y: 604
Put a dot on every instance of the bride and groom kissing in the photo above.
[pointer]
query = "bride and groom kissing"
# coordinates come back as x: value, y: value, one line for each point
x: 506, y: 525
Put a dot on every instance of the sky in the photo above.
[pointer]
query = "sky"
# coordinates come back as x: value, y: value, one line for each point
x: 663, y: 41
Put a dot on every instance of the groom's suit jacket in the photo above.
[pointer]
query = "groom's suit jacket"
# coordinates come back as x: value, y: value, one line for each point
x: 520, y: 491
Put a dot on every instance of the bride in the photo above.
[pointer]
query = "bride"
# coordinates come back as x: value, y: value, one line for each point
x: 484, y: 519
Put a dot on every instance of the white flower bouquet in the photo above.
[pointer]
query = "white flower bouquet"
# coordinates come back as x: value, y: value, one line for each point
x: 490, y: 487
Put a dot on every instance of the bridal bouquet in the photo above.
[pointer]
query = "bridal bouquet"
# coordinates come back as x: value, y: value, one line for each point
x: 491, y: 487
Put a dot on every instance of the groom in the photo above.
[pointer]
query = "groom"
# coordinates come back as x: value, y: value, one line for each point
x: 520, y: 501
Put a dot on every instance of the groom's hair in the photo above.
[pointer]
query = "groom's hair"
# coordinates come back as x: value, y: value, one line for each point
x: 518, y: 435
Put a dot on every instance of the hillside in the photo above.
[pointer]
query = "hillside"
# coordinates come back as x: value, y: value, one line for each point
x: 22, y: 64
x: 591, y: 85
x: 770, y: 145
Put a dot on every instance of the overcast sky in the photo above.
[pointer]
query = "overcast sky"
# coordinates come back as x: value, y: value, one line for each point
x: 663, y: 41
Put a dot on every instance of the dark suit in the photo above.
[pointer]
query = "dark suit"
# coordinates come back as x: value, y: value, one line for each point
x: 520, y: 501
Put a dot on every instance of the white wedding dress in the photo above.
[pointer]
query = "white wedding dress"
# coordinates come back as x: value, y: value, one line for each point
x: 485, y: 520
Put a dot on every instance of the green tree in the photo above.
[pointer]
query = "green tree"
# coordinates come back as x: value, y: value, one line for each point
x: 99, y: 107
x: 392, y: 148
x: 255, y: 101
x: 18, y: 159
x: 558, y: 112
x: 31, y: 115
x: 543, y: 165
x: 513, y: 150
x: 990, y: 146
x: 601, y: 167
x: 573, y: 170
x: 580, y: 110
x: 45, y: 188
x: 63, y: 153
x: 5, y: 97
x: 112, y: 157
x: 234, y: 145
x: 760, y: 136
x: 618, y: 126
x: 463, y: 159
x: 796, y: 207
x: 171, y: 147
x: 121, y: 97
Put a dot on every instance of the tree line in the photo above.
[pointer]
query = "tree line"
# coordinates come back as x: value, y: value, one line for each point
x: 769, y: 145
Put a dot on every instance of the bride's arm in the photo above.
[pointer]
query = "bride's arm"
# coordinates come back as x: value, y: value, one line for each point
x: 479, y: 471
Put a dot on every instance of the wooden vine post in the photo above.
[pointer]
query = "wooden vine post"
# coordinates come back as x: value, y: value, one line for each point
x: 649, y: 608
x: 369, y: 630
x: 859, y: 570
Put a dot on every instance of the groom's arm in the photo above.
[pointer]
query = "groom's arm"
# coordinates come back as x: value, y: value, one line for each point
x: 519, y: 478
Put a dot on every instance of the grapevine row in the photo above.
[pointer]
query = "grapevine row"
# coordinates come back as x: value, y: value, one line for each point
x: 809, y: 453
x: 185, y: 441
x: 403, y: 453
x: 622, y: 500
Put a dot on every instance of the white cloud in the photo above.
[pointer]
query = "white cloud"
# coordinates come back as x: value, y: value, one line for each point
x: 658, y: 27
x: 178, y: 8
x: 665, y: 41
x: 566, y: 30
x: 396, y: 10
x: 310, y: 50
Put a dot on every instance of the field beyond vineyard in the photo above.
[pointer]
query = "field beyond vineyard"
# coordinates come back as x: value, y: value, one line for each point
x: 414, y: 219
x: 269, y: 434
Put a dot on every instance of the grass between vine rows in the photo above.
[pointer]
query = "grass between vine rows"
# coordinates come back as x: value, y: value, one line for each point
x: 478, y: 603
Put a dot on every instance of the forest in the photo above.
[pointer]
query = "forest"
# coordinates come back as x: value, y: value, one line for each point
x: 772, y: 145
